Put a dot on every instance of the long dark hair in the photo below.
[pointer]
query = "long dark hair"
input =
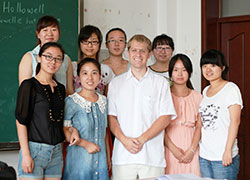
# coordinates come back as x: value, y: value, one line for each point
x: 85, y: 34
x: 216, y: 57
x: 46, y: 46
x: 187, y: 64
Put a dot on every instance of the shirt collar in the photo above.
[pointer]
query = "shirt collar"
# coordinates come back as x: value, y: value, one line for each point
x: 78, y: 99
x: 130, y: 74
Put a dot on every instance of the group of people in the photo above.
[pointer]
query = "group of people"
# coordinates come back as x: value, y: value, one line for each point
x: 161, y: 125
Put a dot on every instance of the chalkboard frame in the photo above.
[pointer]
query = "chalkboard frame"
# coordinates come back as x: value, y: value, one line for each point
x: 7, y: 146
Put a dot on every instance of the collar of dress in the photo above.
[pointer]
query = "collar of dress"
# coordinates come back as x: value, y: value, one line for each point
x: 87, y: 104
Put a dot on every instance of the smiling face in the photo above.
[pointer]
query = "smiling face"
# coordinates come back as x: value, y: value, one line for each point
x: 48, y: 34
x: 89, y: 76
x: 180, y: 75
x: 138, y: 54
x: 163, y: 53
x: 90, y: 46
x: 51, y: 60
x: 212, y: 72
x: 116, y: 43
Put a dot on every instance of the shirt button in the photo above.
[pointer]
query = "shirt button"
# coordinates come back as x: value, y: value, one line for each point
x: 96, y: 128
x: 96, y: 139
x: 96, y: 172
x: 96, y: 162
x: 94, y: 105
x: 95, y: 116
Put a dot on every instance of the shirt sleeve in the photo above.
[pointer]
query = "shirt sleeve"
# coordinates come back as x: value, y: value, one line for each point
x: 68, y: 112
x: 111, y: 74
x: 234, y: 96
x: 66, y: 59
x: 166, y: 102
x: 24, y: 104
x: 74, y: 68
x: 111, y: 100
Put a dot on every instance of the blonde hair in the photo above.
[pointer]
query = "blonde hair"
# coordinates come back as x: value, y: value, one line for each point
x: 140, y: 38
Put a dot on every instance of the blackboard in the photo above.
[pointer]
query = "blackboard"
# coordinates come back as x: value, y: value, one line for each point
x: 18, y: 20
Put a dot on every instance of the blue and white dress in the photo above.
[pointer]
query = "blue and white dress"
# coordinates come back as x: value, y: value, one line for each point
x: 90, y: 119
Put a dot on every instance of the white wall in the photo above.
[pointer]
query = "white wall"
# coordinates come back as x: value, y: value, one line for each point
x: 181, y: 19
x: 134, y: 16
x: 184, y: 25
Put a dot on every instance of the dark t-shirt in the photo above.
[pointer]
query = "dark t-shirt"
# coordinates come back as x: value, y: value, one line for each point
x: 41, y: 111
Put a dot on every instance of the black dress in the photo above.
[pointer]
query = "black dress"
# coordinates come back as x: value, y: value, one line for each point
x: 41, y: 111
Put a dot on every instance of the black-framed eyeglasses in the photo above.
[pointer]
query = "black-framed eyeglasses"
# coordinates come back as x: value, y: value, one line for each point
x: 90, y: 42
x: 160, y: 48
x: 112, y: 41
x: 51, y: 58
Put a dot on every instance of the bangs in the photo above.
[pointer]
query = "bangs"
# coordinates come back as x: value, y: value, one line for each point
x: 85, y: 35
x: 47, y: 21
x: 46, y: 24
x: 162, y: 42
x: 210, y: 59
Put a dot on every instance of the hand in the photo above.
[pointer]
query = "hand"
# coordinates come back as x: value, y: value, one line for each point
x: 178, y: 153
x: 188, y: 156
x: 131, y: 144
x: 92, y: 147
x: 227, y: 158
x: 74, y: 138
x: 27, y: 164
x: 141, y: 141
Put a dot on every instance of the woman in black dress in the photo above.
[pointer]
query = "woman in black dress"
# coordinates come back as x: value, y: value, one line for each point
x: 39, y: 114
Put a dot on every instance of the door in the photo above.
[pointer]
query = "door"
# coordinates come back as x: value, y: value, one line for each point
x: 234, y: 38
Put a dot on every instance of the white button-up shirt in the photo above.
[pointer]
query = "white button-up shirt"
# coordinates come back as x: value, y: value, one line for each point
x: 137, y: 104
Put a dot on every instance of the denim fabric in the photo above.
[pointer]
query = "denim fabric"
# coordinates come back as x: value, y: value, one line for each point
x: 215, y: 169
x: 91, y: 124
x: 48, y: 161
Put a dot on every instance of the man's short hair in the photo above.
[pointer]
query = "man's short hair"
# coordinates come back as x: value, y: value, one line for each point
x: 140, y: 38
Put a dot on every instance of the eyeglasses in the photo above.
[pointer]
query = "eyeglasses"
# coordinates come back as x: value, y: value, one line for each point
x: 160, y: 48
x: 51, y: 58
x: 112, y: 41
x: 90, y: 42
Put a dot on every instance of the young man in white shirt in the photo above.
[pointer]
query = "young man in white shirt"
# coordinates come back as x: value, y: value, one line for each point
x: 140, y: 108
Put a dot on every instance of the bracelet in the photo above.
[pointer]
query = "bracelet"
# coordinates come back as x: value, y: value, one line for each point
x: 192, y: 150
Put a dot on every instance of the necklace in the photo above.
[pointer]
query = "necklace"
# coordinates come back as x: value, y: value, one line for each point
x: 54, y: 114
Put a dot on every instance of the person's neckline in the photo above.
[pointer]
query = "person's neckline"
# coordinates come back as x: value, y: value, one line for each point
x: 98, y: 97
x: 216, y: 94
x: 45, y: 83
x: 157, y: 71
x: 139, y: 74
x: 187, y: 95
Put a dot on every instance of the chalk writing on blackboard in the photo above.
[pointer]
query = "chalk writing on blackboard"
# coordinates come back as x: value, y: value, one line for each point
x: 12, y: 13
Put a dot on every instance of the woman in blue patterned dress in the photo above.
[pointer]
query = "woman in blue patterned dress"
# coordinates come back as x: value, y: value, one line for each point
x: 86, y: 111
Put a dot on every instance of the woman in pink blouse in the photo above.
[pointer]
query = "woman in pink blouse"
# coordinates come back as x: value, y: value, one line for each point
x: 183, y: 134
